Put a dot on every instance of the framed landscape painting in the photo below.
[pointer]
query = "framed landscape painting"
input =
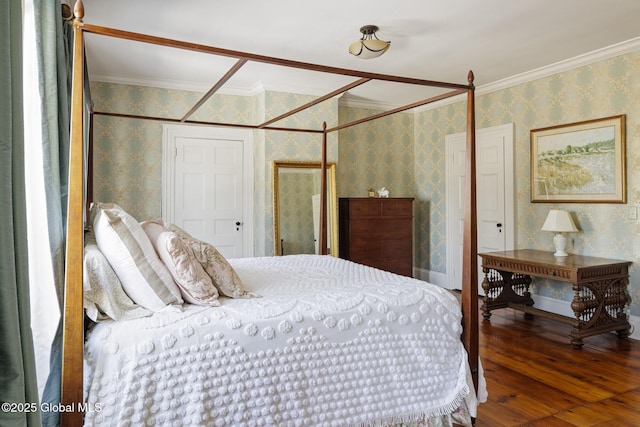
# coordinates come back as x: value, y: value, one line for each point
x: 581, y: 162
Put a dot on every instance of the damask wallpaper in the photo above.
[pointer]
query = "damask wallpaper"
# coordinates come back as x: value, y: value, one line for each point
x: 602, y: 89
x: 404, y: 153
x: 376, y: 154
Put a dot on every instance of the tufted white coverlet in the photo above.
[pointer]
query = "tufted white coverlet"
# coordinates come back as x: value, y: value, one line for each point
x: 328, y: 343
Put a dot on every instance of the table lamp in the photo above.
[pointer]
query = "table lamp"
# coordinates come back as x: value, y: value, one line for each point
x: 559, y: 221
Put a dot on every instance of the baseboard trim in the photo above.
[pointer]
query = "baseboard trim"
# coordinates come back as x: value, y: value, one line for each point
x: 553, y: 305
x: 434, y: 277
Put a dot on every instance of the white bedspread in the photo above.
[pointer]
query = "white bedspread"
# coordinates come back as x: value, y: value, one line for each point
x: 329, y: 342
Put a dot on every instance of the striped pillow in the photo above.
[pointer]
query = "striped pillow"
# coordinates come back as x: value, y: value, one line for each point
x: 103, y: 295
x: 129, y: 251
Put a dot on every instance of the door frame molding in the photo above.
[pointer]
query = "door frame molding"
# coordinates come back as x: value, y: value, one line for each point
x: 508, y: 131
x: 244, y: 136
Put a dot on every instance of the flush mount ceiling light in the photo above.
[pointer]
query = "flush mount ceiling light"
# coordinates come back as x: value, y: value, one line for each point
x: 369, y: 46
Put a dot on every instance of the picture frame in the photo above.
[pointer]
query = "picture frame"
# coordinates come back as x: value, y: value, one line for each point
x: 582, y: 162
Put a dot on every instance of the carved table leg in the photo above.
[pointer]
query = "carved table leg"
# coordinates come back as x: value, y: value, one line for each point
x: 486, y: 286
x: 503, y: 287
x: 624, y: 333
x: 599, y: 307
x: 577, y: 343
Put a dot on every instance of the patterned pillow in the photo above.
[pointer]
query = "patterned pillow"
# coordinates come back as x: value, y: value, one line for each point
x: 194, y: 283
x: 217, y: 267
x: 103, y: 296
x: 129, y: 251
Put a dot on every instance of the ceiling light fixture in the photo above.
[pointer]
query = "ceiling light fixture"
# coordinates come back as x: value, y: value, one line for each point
x: 369, y: 46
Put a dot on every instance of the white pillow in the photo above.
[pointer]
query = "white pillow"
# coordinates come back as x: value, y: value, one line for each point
x: 194, y: 283
x: 129, y: 251
x: 103, y: 295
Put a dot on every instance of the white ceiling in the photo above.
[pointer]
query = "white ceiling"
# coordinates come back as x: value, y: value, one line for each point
x: 430, y: 39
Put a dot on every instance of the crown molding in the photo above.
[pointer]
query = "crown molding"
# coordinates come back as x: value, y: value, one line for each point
x: 298, y: 90
x: 366, y: 104
x: 612, y: 51
x: 227, y: 89
x: 608, y: 52
x: 178, y: 84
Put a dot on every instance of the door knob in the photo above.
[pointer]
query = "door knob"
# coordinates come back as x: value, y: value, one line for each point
x: 238, y: 224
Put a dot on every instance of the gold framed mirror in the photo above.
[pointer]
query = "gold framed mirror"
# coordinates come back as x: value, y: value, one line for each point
x: 296, y: 208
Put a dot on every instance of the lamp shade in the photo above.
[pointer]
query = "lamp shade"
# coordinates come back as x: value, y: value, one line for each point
x: 559, y: 221
x: 369, y: 46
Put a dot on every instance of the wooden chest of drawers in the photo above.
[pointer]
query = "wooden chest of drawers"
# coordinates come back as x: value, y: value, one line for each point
x: 378, y: 232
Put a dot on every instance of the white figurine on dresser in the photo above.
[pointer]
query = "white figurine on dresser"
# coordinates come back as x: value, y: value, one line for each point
x: 383, y: 192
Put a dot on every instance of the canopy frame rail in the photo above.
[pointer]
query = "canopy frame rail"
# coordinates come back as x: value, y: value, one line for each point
x: 315, y: 102
x: 244, y: 57
x: 145, y: 38
x: 236, y: 67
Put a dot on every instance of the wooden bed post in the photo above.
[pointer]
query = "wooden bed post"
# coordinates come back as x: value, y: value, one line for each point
x: 73, y: 332
x: 89, y: 195
x: 323, y: 193
x: 470, y: 242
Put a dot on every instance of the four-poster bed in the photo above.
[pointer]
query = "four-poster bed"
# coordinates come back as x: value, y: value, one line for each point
x: 79, y: 196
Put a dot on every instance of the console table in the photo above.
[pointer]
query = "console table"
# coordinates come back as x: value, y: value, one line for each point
x: 600, y: 287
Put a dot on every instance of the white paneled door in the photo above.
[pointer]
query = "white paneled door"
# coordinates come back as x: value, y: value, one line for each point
x: 206, y: 186
x: 494, y: 187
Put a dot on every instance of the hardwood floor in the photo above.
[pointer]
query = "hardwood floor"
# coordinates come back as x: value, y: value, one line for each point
x: 535, y: 378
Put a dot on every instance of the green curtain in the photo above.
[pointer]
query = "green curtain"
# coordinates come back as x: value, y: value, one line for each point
x: 18, y: 383
x: 54, y: 86
x: 53, y: 41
